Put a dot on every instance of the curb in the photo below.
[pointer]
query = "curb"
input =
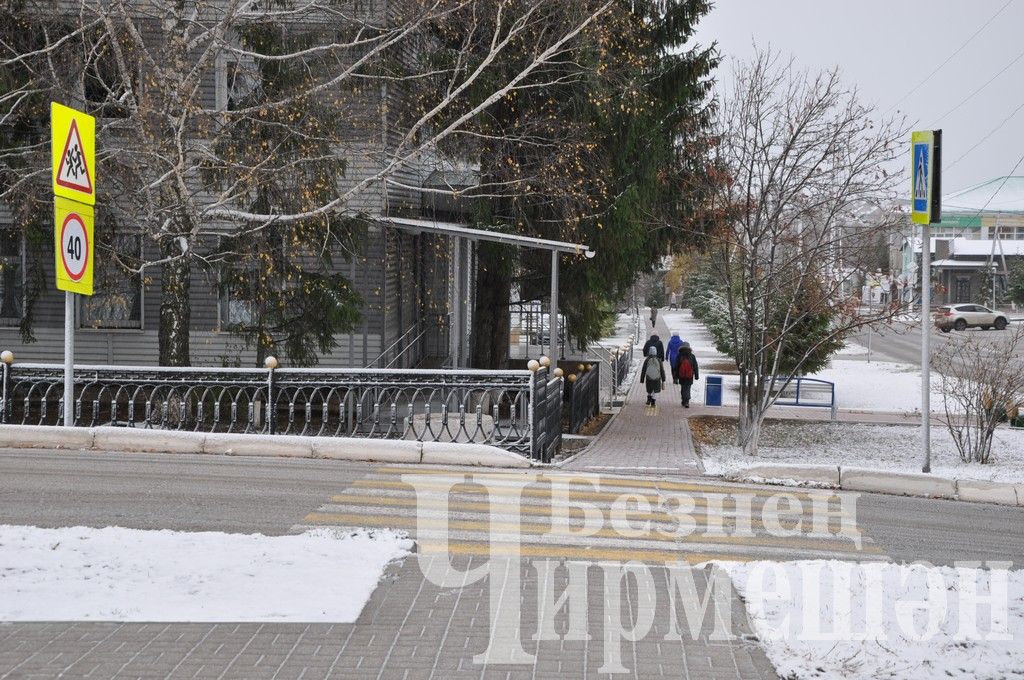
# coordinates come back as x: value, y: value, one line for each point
x: 137, y: 440
x: 919, y: 485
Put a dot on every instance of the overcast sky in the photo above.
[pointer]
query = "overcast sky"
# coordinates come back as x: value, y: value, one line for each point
x: 887, y: 47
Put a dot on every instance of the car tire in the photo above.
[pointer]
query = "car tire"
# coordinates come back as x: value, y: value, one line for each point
x: 960, y: 325
x: 1000, y: 324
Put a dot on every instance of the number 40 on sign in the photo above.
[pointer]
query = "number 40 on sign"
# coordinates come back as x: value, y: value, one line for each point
x: 74, y: 245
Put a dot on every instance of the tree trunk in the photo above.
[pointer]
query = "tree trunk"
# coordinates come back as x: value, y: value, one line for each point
x: 491, y: 319
x: 175, y: 309
x: 748, y: 434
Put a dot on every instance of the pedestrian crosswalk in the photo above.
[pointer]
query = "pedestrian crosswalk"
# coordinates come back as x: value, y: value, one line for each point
x: 583, y: 516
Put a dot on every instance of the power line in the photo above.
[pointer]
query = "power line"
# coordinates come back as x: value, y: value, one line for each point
x: 950, y: 57
x: 986, y: 84
x: 985, y: 138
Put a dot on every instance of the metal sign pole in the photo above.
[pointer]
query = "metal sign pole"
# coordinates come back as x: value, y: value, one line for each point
x: 553, y: 316
x: 69, y: 359
x: 926, y: 336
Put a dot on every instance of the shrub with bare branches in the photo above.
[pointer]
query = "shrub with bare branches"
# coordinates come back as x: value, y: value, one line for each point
x: 982, y: 383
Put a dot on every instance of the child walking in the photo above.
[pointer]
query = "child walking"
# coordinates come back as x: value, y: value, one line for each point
x: 653, y: 374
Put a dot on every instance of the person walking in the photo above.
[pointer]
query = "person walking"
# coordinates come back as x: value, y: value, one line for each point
x: 672, y: 354
x: 653, y: 375
x: 673, y: 301
x: 655, y: 342
x: 654, y: 315
x: 687, y: 370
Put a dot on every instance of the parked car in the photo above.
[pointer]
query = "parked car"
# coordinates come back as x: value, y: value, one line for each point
x: 962, y: 317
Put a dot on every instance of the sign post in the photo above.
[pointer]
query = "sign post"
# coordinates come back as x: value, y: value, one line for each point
x: 926, y: 209
x: 73, y: 153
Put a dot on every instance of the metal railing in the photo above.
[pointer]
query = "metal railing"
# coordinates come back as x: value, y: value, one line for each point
x: 584, y: 396
x: 806, y: 392
x: 509, y: 409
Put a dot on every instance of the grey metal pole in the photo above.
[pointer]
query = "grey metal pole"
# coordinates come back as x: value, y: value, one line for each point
x: 553, y: 312
x: 926, y: 336
x: 69, y: 359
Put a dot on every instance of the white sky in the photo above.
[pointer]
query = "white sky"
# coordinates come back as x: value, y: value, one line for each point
x: 886, y: 48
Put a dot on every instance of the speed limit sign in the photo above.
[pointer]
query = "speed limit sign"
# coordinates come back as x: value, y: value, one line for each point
x: 73, y: 232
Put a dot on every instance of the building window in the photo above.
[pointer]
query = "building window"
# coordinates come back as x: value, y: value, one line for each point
x: 237, y: 83
x: 117, y: 300
x: 1010, y: 233
x: 235, y: 307
x: 107, y: 89
x: 12, y: 277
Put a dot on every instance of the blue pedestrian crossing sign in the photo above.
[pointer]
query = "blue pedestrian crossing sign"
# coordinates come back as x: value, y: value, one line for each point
x: 926, y: 172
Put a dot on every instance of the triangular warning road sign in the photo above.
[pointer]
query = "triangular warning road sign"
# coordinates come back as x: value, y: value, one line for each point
x: 73, y: 172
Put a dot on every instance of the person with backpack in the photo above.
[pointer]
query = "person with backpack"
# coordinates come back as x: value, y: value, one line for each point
x: 672, y: 354
x: 655, y: 342
x: 653, y: 375
x: 687, y: 370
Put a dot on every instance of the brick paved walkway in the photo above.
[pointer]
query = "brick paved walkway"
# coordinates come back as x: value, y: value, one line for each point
x: 640, y: 440
x: 409, y: 629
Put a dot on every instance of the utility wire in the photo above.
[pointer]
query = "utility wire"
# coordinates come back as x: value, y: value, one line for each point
x: 950, y: 57
x: 982, y: 87
x: 985, y: 138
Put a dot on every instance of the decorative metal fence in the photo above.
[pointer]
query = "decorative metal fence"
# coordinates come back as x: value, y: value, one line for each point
x: 584, y: 397
x: 619, y: 362
x: 510, y: 409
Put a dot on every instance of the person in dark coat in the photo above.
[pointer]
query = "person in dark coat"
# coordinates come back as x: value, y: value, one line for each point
x: 672, y: 354
x: 653, y: 375
x: 687, y: 371
x: 655, y: 342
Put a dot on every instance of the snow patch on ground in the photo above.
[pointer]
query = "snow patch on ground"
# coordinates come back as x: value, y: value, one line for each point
x: 809, y: 614
x: 116, y: 574
x: 880, y: 447
x: 859, y: 385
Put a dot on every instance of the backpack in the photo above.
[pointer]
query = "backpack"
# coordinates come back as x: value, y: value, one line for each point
x: 685, y: 368
x: 653, y: 370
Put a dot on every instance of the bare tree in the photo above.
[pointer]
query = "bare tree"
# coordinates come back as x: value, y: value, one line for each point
x: 982, y: 384
x: 802, y: 183
x: 271, y: 161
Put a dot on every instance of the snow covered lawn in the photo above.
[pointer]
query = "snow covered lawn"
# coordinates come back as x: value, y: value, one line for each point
x: 115, y: 574
x: 832, y: 620
x: 859, y: 385
x: 881, y: 447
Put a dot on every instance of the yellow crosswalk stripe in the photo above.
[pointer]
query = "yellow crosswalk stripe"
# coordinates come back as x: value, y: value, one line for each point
x: 571, y: 553
x: 528, y: 529
x: 573, y: 512
x: 476, y: 488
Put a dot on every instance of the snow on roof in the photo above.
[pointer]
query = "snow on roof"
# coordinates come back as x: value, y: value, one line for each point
x: 973, y: 247
x: 999, y: 195
x: 953, y: 264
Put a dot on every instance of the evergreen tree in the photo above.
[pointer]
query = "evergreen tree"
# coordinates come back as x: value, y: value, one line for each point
x: 611, y: 157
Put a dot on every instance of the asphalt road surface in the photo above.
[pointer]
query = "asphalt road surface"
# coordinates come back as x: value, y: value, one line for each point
x: 274, y: 496
x: 901, y: 342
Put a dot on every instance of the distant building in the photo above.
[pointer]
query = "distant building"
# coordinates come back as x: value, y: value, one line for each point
x: 981, y: 235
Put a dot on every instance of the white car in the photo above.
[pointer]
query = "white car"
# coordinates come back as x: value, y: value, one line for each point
x: 962, y: 317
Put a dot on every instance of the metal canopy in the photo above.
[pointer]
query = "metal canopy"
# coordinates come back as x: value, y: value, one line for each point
x: 466, y: 232
x: 453, y: 229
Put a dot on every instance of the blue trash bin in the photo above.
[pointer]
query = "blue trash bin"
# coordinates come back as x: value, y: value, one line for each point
x: 713, y: 390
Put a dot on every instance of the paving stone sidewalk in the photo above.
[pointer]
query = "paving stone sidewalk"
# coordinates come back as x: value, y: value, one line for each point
x: 410, y: 629
x: 639, y: 439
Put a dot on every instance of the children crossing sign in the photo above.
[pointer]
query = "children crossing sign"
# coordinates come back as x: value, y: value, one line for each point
x: 73, y: 148
x: 926, y: 174
x: 73, y: 240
